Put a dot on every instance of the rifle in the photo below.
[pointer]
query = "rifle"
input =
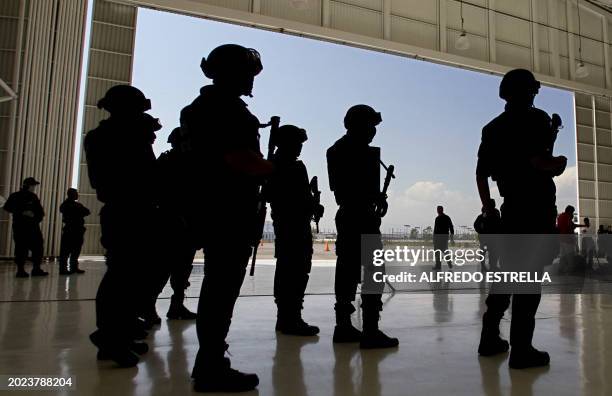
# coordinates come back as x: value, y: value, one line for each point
x: 382, y: 210
x: 556, y: 126
x: 261, y: 204
x: 316, y: 194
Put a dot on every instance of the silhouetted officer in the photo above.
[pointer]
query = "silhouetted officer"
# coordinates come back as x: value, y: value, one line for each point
x: 121, y: 166
x: 73, y: 217
x: 293, y: 208
x: 443, y: 229
x: 516, y: 153
x: 222, y: 144
x: 486, y: 224
x: 27, y: 213
x: 181, y: 250
x: 354, y: 177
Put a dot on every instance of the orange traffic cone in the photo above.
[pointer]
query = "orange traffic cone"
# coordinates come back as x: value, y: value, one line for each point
x: 326, y: 246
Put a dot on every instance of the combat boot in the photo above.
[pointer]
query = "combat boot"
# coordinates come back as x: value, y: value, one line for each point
x: 296, y: 327
x: 345, y: 332
x: 39, y: 272
x: 223, y: 378
x: 490, y: 341
x: 108, y: 350
x: 21, y: 273
x: 372, y: 337
x: 74, y: 269
x: 150, y: 319
x: 178, y: 311
x: 139, y: 348
x: 492, y: 345
x: 63, y: 269
x: 139, y: 331
x: 527, y: 358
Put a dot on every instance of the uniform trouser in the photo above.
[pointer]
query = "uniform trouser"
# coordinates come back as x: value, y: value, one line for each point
x: 28, y: 238
x: 224, y: 270
x: 352, y: 258
x: 440, y: 243
x: 524, y: 308
x: 177, y: 266
x: 180, y: 272
x: 517, y: 254
x: 124, y: 287
x: 70, y: 247
x: 290, y: 281
x: 177, y: 254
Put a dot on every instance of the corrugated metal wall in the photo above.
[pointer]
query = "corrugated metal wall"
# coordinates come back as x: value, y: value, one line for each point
x: 10, y: 27
x: 110, y: 63
x: 594, y: 140
x: 40, y: 131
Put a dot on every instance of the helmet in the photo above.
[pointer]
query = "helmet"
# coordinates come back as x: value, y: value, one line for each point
x: 518, y: 81
x: 231, y: 59
x: 30, y: 181
x: 360, y: 114
x: 124, y: 99
x: 288, y: 134
x: 174, y: 136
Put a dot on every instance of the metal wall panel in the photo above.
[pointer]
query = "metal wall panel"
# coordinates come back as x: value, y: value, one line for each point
x: 539, y: 34
x: 243, y: 5
x: 520, y: 8
x: 355, y: 19
x: 40, y: 141
x: 513, y: 31
x: 413, y: 32
x: 514, y: 55
x: 9, y: 27
x: 418, y: 10
x: 475, y: 18
x: 110, y: 63
x: 370, y: 4
x: 311, y: 14
x: 594, y: 136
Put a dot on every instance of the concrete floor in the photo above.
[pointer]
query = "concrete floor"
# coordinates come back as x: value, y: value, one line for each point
x: 44, y: 325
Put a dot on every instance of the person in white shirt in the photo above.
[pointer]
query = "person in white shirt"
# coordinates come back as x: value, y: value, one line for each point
x: 588, y: 242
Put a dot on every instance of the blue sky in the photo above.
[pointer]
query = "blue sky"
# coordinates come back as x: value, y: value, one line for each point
x: 432, y: 114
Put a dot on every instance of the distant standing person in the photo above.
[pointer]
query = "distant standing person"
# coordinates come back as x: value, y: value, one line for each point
x: 293, y: 207
x: 119, y: 156
x: 73, y: 217
x: 354, y: 177
x: 588, y: 242
x: 443, y: 229
x: 567, y: 236
x: 181, y: 248
x: 516, y: 153
x: 27, y: 213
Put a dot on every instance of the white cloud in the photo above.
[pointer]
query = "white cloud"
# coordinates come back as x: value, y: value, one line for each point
x: 567, y: 188
x: 416, y: 205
